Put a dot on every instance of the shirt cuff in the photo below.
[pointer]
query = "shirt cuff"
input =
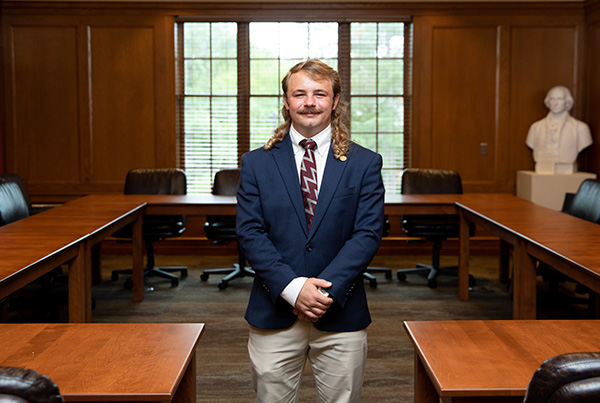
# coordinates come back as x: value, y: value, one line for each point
x: 292, y: 290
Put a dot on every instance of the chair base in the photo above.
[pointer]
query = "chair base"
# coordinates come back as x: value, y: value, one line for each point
x: 231, y: 273
x: 432, y: 273
x: 163, y: 272
x: 367, y: 275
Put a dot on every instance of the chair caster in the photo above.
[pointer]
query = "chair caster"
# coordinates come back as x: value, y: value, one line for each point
x: 223, y: 285
x: 373, y: 283
x: 174, y: 282
x: 432, y: 283
x: 401, y: 276
x: 204, y: 276
x: 184, y: 274
x: 128, y: 284
x: 388, y: 275
x: 114, y: 276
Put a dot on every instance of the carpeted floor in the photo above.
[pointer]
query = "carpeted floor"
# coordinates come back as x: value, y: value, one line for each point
x: 223, y: 373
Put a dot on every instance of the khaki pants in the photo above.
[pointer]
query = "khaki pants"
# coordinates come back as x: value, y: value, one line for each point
x: 278, y: 358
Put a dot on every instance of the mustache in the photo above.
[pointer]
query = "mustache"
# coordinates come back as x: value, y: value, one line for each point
x: 310, y: 110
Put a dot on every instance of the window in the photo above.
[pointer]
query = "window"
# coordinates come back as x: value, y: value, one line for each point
x: 229, y: 88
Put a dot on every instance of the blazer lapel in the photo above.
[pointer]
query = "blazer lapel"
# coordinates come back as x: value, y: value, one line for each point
x: 284, y: 159
x: 331, y: 178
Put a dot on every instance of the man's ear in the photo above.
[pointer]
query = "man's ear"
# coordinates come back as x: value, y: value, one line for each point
x: 285, y: 102
x: 336, y: 99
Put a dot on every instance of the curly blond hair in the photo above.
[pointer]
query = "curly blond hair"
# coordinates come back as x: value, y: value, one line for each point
x: 340, y: 135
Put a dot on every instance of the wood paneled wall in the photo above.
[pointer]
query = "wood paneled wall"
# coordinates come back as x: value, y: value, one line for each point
x: 87, y: 98
x: 89, y: 87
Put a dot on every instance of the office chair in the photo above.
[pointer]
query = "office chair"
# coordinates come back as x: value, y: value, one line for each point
x: 14, y: 203
x: 367, y: 275
x: 221, y: 229
x: 21, y: 385
x: 148, y: 181
x: 584, y: 204
x: 571, y: 377
x: 435, y: 228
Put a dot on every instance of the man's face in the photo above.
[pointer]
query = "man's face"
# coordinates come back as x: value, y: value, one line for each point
x: 310, y: 103
x: 557, y: 101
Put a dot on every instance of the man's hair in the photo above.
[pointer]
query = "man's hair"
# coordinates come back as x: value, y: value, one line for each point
x: 569, y: 101
x: 340, y: 134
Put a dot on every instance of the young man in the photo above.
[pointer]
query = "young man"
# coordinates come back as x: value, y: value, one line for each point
x: 308, y: 298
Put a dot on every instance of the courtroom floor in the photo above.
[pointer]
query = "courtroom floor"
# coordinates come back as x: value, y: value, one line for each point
x: 223, y: 373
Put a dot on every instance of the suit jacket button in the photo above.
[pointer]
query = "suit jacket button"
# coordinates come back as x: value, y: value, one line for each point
x: 308, y: 248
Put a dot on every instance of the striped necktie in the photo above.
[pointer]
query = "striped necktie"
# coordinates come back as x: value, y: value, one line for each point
x: 308, y: 179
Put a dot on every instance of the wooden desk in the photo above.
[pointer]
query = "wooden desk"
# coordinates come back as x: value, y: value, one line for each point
x: 38, y: 244
x: 535, y: 232
x: 481, y: 361
x: 108, y: 362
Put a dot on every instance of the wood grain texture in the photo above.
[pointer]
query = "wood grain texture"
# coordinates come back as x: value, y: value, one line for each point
x: 107, y: 362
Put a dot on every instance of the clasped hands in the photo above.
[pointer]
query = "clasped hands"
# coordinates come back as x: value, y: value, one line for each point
x: 311, y: 304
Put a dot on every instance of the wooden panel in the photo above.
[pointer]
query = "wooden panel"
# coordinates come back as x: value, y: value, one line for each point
x: 43, y: 139
x: 592, y: 164
x: 541, y: 58
x: 464, y: 81
x: 122, y: 72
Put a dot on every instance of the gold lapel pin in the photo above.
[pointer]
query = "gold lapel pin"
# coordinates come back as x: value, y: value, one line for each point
x: 343, y: 158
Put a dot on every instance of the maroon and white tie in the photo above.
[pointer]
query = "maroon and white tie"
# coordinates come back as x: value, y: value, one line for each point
x: 308, y: 179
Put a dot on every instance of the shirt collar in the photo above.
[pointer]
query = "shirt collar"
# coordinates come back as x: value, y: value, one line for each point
x: 323, y: 140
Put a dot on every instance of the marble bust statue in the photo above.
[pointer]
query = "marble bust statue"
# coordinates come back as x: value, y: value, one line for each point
x: 558, y: 138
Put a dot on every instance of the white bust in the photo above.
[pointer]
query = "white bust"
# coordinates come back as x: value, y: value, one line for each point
x: 557, y: 139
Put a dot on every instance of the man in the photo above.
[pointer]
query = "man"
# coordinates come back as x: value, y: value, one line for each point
x: 308, y: 298
x: 557, y: 139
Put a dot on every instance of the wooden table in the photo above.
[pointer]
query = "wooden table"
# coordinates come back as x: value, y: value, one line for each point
x: 568, y: 243
x: 490, y: 361
x: 66, y: 234
x: 111, y: 362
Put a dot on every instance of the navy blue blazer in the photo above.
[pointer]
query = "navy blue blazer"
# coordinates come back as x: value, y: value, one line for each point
x: 345, y: 233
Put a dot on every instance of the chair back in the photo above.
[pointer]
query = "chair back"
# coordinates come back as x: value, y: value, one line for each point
x: 221, y: 228
x: 156, y: 181
x: 13, y: 202
x: 431, y: 181
x: 586, y: 202
x: 572, y: 377
x: 226, y: 182
x: 27, y: 385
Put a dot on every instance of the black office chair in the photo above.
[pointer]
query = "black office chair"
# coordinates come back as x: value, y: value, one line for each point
x: 584, y: 204
x: 571, y: 377
x: 21, y: 385
x: 221, y: 229
x: 148, y: 181
x: 14, y: 203
x: 435, y: 228
x: 368, y: 274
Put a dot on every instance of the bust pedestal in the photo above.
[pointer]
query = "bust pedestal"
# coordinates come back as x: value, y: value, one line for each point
x: 549, y: 189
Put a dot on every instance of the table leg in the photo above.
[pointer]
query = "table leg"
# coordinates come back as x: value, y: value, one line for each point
x: 524, y: 283
x: 186, y: 391
x: 78, y: 284
x: 138, y: 259
x: 424, y: 390
x: 463, y: 257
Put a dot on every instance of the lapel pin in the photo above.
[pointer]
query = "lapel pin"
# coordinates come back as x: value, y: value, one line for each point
x: 343, y: 158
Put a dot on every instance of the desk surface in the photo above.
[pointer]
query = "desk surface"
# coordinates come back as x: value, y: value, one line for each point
x: 495, y: 358
x: 111, y: 362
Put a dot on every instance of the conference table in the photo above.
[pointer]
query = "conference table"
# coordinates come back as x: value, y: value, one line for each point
x: 142, y: 362
x: 489, y: 361
x: 66, y: 234
x: 34, y: 246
